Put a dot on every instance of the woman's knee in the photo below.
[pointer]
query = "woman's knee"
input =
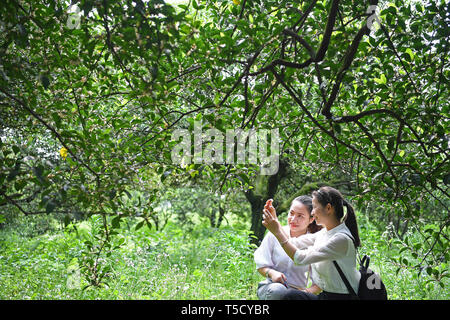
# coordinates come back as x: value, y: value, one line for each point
x: 275, y: 291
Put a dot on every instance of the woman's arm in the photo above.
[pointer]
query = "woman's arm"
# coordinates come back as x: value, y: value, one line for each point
x: 275, y: 227
x: 304, y: 241
x: 264, y: 271
x: 336, y: 248
x: 273, y: 274
x: 263, y: 259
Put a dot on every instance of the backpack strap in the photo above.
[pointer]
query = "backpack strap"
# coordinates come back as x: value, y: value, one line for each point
x: 344, y: 278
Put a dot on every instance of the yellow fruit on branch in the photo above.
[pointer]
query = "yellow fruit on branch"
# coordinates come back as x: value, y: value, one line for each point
x: 63, y: 152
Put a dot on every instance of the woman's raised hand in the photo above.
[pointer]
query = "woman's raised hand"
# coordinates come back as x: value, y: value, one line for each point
x: 268, y: 206
x: 270, y: 220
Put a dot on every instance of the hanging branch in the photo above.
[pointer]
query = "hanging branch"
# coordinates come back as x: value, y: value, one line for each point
x: 349, y: 56
x: 53, y: 130
x: 314, y: 120
x: 356, y: 117
x: 377, y: 147
x: 328, y: 31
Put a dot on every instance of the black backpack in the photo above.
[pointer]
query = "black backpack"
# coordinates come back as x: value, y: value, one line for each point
x: 370, y: 286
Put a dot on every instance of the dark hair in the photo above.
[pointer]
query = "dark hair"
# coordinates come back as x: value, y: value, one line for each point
x: 332, y: 196
x: 307, y: 201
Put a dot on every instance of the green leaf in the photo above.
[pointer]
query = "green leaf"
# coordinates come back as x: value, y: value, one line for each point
x: 112, y: 194
x: 419, y: 7
x: 416, y: 179
x: 38, y: 171
x: 51, y: 205
x: 403, y: 249
x: 13, y: 173
x: 244, y: 178
x: 337, y: 128
x: 381, y: 80
x: 139, y: 225
x: 66, y: 220
x: 446, y: 179
x: 410, y: 53
x: 390, y: 144
x: 115, y: 222
x: 19, y: 185
x: 120, y: 242
x: 45, y: 81
x: 57, y: 119
x: 127, y: 193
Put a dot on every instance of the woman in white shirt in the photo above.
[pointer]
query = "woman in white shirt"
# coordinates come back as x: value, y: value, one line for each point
x: 337, y: 241
x: 273, y: 263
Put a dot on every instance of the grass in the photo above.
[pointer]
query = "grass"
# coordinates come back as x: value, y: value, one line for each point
x: 170, y: 264
x: 402, y: 283
x: 203, y: 263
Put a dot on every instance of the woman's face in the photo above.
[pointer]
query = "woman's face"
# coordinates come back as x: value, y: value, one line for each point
x: 298, y: 218
x: 319, y: 212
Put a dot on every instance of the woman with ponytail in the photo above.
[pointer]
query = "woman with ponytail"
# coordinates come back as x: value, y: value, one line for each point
x: 337, y: 241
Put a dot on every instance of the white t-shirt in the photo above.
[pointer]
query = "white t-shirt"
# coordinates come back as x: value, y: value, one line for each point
x: 320, y: 249
x: 271, y: 254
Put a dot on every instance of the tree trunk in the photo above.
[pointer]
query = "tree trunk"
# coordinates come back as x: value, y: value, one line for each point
x: 257, y: 227
x: 221, y: 214
x: 212, y: 218
x: 265, y: 188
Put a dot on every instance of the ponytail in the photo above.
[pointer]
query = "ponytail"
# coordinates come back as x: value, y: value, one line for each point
x: 351, y: 223
x: 332, y: 196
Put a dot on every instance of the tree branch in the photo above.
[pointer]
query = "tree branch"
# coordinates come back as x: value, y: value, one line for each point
x: 58, y: 136
x: 328, y: 31
x: 351, y: 52
x: 300, y: 103
x: 377, y: 146
x: 356, y: 117
x: 283, y: 63
x: 302, y: 42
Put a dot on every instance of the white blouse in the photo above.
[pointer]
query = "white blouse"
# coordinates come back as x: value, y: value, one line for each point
x: 320, y: 249
x: 271, y: 254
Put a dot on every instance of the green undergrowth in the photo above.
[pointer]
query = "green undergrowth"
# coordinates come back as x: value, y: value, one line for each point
x: 175, y: 263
